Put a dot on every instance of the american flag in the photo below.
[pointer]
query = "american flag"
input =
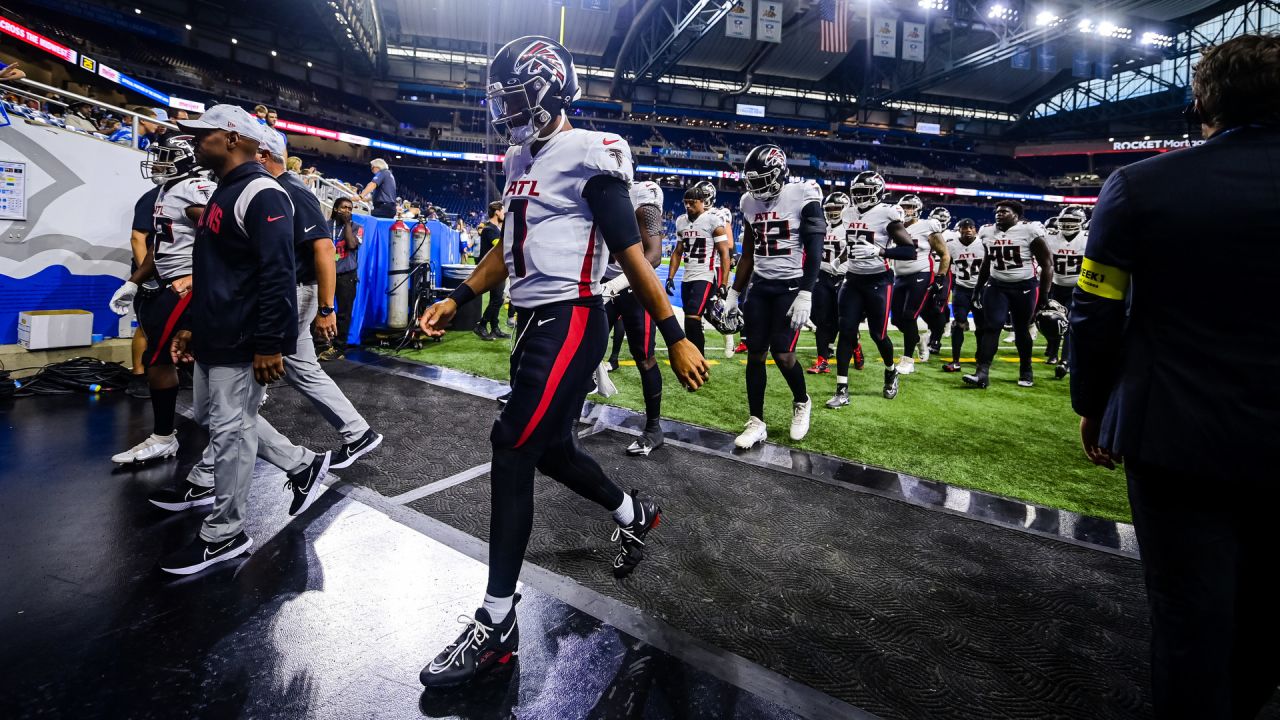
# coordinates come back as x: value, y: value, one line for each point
x: 834, y: 26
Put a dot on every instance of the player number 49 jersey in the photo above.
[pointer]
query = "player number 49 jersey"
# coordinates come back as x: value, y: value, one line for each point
x: 1067, y: 257
x: 699, y: 245
x: 1010, y: 250
x: 966, y: 261
x: 175, y: 232
x: 775, y: 224
x: 551, y: 246
x: 865, y: 234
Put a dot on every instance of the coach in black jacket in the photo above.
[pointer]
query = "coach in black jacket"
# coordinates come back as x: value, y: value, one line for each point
x: 243, y: 318
x: 1175, y: 345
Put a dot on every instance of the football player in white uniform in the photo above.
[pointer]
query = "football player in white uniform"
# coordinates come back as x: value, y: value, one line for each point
x: 913, y: 278
x: 936, y: 313
x: 827, y: 290
x: 701, y: 236
x: 967, y: 255
x: 874, y: 235
x: 184, y: 191
x: 781, y: 251
x: 1067, y: 248
x: 622, y: 304
x: 565, y: 214
x: 1012, y: 248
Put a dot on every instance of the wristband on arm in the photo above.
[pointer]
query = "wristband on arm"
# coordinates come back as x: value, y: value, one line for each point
x: 462, y: 295
x: 671, y: 331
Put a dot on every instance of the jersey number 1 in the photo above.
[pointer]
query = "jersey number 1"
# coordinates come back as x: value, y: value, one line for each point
x: 516, y: 210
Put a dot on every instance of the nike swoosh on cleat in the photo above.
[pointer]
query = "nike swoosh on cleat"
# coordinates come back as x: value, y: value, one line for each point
x: 507, y: 634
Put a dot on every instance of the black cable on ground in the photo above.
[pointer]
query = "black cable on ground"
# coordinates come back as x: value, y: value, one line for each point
x: 82, y: 374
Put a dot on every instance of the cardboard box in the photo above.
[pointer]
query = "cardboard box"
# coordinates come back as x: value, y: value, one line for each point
x: 44, y: 329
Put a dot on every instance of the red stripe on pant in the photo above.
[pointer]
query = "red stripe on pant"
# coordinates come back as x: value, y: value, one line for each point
x: 577, y: 325
x: 924, y: 298
x: 794, y: 340
x: 705, y: 295
x: 648, y: 332
x: 163, y: 344
x: 888, y: 303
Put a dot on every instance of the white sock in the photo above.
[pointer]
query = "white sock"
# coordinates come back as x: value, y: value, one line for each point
x: 626, y: 512
x: 842, y: 380
x: 498, y: 607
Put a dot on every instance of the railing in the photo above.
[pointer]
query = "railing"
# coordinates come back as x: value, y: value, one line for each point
x: 134, y: 116
x: 330, y: 191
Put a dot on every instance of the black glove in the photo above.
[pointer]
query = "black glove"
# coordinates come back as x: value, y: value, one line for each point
x: 671, y: 286
x: 977, y: 297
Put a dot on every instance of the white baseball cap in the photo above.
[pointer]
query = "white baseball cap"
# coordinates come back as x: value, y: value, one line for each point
x: 231, y: 118
x: 272, y: 141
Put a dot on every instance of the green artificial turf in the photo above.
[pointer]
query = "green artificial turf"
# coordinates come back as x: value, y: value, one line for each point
x: 1016, y: 442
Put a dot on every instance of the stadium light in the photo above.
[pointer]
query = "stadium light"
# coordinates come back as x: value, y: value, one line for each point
x: 1156, y: 39
x: 1046, y: 17
x: 934, y: 4
x: 1111, y: 30
x: 188, y: 26
x: 137, y: 11
x: 1002, y: 12
x: 273, y: 53
x: 1111, y: 139
x: 1185, y: 136
x: 308, y: 63
x: 1085, y: 26
x: 1146, y: 137
x: 235, y: 41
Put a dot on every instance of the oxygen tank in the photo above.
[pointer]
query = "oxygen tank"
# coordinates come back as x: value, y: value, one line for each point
x: 398, y: 276
x: 421, y: 237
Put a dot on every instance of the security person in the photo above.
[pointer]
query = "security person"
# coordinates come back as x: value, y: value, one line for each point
x: 490, y: 235
x: 1195, y: 431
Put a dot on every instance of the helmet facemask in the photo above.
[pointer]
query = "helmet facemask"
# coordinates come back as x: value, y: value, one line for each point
x: 169, y: 161
x: 763, y: 186
x: 517, y: 111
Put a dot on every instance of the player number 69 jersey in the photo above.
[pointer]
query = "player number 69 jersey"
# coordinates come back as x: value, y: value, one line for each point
x: 779, y: 254
x: 699, y: 248
x: 175, y: 232
x: 551, y: 246
x: 1067, y: 257
x: 865, y: 234
x: 1010, y: 250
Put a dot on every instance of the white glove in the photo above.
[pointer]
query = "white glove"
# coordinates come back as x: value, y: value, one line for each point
x: 800, y: 308
x: 863, y: 251
x: 615, y: 287
x: 731, y: 301
x: 122, y: 301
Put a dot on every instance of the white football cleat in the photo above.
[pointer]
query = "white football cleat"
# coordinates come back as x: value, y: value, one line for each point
x: 155, y: 447
x: 729, y: 346
x: 906, y: 365
x: 800, y: 418
x: 756, y: 432
x: 604, y: 385
x: 925, y: 337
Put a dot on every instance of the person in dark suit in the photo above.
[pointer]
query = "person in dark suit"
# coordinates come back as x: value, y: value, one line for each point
x: 1174, y: 374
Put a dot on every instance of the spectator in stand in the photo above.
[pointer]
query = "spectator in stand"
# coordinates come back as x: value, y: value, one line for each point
x: 180, y: 115
x: 294, y: 165
x: 271, y: 120
x: 80, y: 117
x: 260, y: 112
x: 346, y: 244
x: 151, y: 132
x: 117, y: 132
x: 381, y: 190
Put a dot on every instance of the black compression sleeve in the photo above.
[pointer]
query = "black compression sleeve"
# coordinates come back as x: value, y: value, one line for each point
x: 609, y: 198
x: 900, y: 252
x: 813, y: 229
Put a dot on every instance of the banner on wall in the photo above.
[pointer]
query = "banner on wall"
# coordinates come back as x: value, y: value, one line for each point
x: 913, y: 39
x: 737, y: 24
x: 884, y: 37
x: 769, y: 21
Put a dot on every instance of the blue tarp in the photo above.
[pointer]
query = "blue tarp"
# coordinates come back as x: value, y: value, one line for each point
x: 370, y: 307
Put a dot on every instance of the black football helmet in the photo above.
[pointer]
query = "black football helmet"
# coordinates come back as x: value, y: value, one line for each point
x: 911, y: 206
x: 942, y: 216
x: 765, y: 172
x: 171, y: 159
x: 725, y: 323
x: 532, y: 82
x: 866, y: 189
x: 834, y: 205
x: 1052, y: 320
x: 1071, y: 220
x: 710, y: 189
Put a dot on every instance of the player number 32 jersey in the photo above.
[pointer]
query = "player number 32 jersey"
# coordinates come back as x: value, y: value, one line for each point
x: 1010, y: 250
x: 552, y: 249
x: 779, y: 253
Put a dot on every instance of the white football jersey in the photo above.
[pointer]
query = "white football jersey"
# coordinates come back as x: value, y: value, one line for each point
x: 868, y: 228
x: 550, y: 243
x: 832, y: 247
x: 1067, y: 256
x: 779, y: 252
x: 966, y: 260
x: 175, y: 232
x: 700, y: 244
x: 1010, y: 250
x: 920, y: 230
x: 642, y: 193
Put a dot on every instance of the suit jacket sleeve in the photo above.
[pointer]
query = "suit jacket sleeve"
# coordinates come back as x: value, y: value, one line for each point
x: 1099, y: 302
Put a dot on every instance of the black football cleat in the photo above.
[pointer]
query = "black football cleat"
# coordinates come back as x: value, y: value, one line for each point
x: 979, y: 379
x: 951, y: 367
x: 631, y: 537
x: 497, y: 334
x: 1061, y: 371
x: 1026, y: 378
x: 482, y: 333
x: 651, y: 440
x: 890, y: 383
x: 485, y: 646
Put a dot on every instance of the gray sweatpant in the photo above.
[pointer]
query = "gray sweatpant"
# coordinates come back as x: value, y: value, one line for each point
x: 303, y: 371
x: 227, y: 399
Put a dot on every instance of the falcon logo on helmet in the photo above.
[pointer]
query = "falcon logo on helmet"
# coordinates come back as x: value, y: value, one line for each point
x: 911, y: 206
x: 1052, y: 321
x: 174, y: 158
x: 532, y: 82
x: 834, y: 206
x: 725, y: 323
x: 1071, y: 220
x: 866, y: 189
x: 765, y: 172
x: 942, y: 216
x: 708, y: 188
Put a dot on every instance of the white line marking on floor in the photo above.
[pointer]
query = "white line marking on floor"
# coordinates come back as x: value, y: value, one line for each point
x: 437, y: 486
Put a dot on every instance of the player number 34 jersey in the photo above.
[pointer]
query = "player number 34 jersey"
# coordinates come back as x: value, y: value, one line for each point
x: 552, y: 249
x: 779, y: 254
x: 699, y: 248
x: 1010, y: 250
